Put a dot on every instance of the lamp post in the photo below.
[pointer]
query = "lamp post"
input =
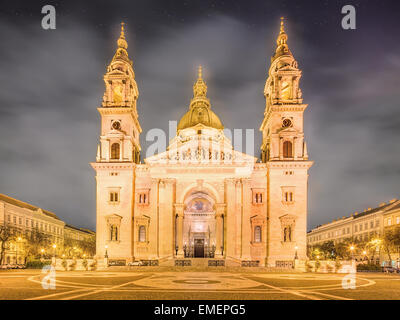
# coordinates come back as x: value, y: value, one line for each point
x: 352, y: 252
x: 54, y: 254
x: 295, y: 254
x: 16, y: 249
x: 41, y: 253
x: 365, y: 254
x: 106, y: 254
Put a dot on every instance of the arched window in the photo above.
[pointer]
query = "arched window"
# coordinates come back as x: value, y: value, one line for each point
x: 115, y: 151
x: 287, y: 149
x: 257, y: 234
x: 142, y: 234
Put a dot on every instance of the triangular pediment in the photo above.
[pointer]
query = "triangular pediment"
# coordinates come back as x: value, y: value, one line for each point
x: 201, y: 152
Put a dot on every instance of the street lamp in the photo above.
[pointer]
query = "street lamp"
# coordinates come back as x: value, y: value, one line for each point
x: 352, y: 252
x: 106, y: 254
x: 295, y: 254
x: 41, y: 253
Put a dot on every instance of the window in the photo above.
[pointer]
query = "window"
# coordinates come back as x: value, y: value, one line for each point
x: 15, y: 220
x: 287, y: 149
x: 142, y: 234
x: 9, y: 218
x: 288, y: 196
x: 389, y: 222
x: 20, y: 220
x: 377, y: 223
x: 397, y: 220
x: 115, y: 151
x: 113, y: 233
x: 258, y: 197
x: 287, y: 234
x: 366, y: 225
x: 348, y: 230
x: 114, y: 197
x: 143, y: 197
x: 257, y: 234
x: 371, y: 224
x: 360, y: 227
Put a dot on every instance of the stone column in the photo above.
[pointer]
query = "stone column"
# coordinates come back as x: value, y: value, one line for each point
x: 179, y: 228
x: 219, y: 228
x: 246, y: 216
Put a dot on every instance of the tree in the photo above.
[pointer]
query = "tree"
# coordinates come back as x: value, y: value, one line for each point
x: 7, y: 234
x: 391, y: 240
x: 35, y: 241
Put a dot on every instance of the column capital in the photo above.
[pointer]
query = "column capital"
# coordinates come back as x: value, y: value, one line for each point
x: 169, y: 180
x: 179, y: 208
x: 220, y: 209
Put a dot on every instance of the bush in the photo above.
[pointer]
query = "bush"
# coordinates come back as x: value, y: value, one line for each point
x: 329, y: 268
x: 369, y: 267
x: 309, y: 267
x: 37, y: 264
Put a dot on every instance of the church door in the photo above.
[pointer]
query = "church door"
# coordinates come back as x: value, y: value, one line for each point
x: 199, y: 248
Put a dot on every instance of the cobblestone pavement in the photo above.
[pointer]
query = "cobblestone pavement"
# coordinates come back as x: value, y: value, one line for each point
x: 186, y: 285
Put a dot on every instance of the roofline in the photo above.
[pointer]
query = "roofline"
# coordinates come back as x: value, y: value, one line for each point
x: 26, y: 205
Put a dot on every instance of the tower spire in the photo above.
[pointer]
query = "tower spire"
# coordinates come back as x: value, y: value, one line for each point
x: 122, y: 52
x: 200, y: 72
x: 281, y: 42
x: 121, y: 40
x: 200, y: 87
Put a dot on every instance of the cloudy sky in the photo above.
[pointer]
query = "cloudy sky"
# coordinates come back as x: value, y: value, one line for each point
x: 51, y: 84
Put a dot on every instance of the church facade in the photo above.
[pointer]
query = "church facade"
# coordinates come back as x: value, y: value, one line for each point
x: 201, y: 198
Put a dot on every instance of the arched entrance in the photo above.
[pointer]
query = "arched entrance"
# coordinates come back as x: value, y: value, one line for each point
x: 199, y: 226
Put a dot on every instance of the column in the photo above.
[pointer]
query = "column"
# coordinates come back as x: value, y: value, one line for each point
x: 230, y: 220
x: 246, y: 223
x: 179, y: 228
x: 219, y: 228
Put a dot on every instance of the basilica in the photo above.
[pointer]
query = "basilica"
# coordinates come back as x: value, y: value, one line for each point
x: 200, y: 198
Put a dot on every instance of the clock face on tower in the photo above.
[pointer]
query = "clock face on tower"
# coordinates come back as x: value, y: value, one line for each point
x: 286, y: 123
x: 116, y: 125
x: 285, y: 90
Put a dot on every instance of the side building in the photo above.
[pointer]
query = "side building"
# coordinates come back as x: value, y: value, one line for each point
x: 27, y: 230
x: 359, y: 226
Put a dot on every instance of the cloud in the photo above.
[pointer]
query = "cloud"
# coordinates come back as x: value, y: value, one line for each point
x: 51, y: 85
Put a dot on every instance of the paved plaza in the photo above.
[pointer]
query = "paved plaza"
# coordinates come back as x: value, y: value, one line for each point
x: 171, y: 285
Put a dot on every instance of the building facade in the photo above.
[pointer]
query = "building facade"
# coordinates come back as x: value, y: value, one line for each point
x: 360, y: 226
x: 25, y: 221
x: 201, y: 198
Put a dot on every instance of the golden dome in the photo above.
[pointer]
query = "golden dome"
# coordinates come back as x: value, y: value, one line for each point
x: 200, y: 109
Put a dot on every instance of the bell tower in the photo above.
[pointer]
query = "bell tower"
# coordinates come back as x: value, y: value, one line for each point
x: 284, y: 152
x: 282, y: 128
x: 120, y: 128
x: 118, y: 153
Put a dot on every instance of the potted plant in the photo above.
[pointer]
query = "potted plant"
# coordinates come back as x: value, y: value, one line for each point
x: 64, y: 264
x: 85, y: 264
x: 72, y: 265
x: 93, y: 265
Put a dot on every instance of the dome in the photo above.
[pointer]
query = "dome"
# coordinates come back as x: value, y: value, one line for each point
x: 200, y: 109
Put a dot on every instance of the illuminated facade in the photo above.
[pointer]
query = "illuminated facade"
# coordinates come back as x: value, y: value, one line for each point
x: 201, y: 198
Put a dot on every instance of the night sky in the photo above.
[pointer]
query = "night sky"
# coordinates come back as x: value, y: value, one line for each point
x: 51, y: 84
